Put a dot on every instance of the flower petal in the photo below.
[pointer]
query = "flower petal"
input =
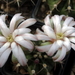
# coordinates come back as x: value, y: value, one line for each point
x: 47, y: 20
x: 72, y: 39
x: 69, y: 32
x: 18, y: 53
x: 61, y: 17
x: 62, y: 55
x: 56, y: 55
x: 2, y: 39
x: 67, y: 43
x: 3, y: 17
x: 73, y: 46
x: 72, y: 35
x: 72, y: 23
x: 67, y: 21
x: 4, y: 47
x: 43, y: 48
x: 20, y: 31
x: 25, y: 43
x: 48, y: 30
x: 42, y: 37
x: 27, y: 23
x: 38, y: 31
x: 66, y: 28
x: 29, y: 36
x: 14, y: 20
x: 53, y: 49
x: 4, y: 57
x: 57, y: 25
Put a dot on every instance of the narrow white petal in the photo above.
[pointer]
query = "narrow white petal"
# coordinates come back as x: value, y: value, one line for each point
x: 72, y: 35
x: 67, y: 21
x: 72, y: 39
x: 47, y: 20
x: 62, y: 55
x: 29, y: 36
x: 27, y: 23
x: 72, y: 23
x: 48, y: 30
x: 5, y: 32
x: 18, y: 53
x: 67, y: 43
x: 1, y: 44
x: 38, y: 31
x: 3, y: 17
x: 25, y: 43
x: 4, y: 57
x: 2, y: 39
x: 73, y: 46
x: 20, y: 31
x: 57, y: 25
x: 56, y: 55
x: 43, y: 48
x: 53, y: 49
x: 42, y: 37
x: 61, y: 17
x: 4, y: 47
x: 14, y: 20
x: 66, y: 28
x: 59, y: 43
x: 69, y: 32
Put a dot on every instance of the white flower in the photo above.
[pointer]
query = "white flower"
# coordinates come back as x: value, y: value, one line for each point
x: 12, y: 38
x: 59, y: 31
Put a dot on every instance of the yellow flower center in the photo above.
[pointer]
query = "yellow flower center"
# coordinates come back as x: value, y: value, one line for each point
x: 10, y: 38
x: 60, y: 36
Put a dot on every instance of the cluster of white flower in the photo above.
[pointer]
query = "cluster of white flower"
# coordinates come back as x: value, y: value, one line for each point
x: 58, y: 32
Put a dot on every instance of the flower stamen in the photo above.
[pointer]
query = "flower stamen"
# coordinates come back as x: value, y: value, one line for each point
x: 10, y: 38
x: 60, y: 36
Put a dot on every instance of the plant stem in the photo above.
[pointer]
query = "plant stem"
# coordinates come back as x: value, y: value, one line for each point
x: 29, y: 70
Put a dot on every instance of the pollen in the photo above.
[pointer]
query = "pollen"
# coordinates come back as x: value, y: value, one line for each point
x: 10, y: 38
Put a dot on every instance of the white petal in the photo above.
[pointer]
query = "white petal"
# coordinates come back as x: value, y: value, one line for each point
x: 61, y: 17
x: 57, y: 25
x: 3, y: 17
x: 53, y: 49
x: 62, y: 55
x: 4, y: 57
x: 14, y: 20
x: 4, y: 47
x: 43, y: 48
x: 18, y: 53
x: 47, y: 20
x: 67, y: 21
x: 59, y: 42
x: 48, y: 30
x: 72, y: 23
x: 25, y: 43
x: 27, y: 23
x: 67, y: 43
x: 2, y: 39
x: 72, y: 39
x: 73, y: 46
x: 72, y: 35
x: 20, y: 31
x: 66, y: 28
x: 69, y: 32
x: 1, y: 44
x: 38, y: 31
x: 29, y: 36
x: 5, y: 32
x: 42, y: 37
x: 56, y: 55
